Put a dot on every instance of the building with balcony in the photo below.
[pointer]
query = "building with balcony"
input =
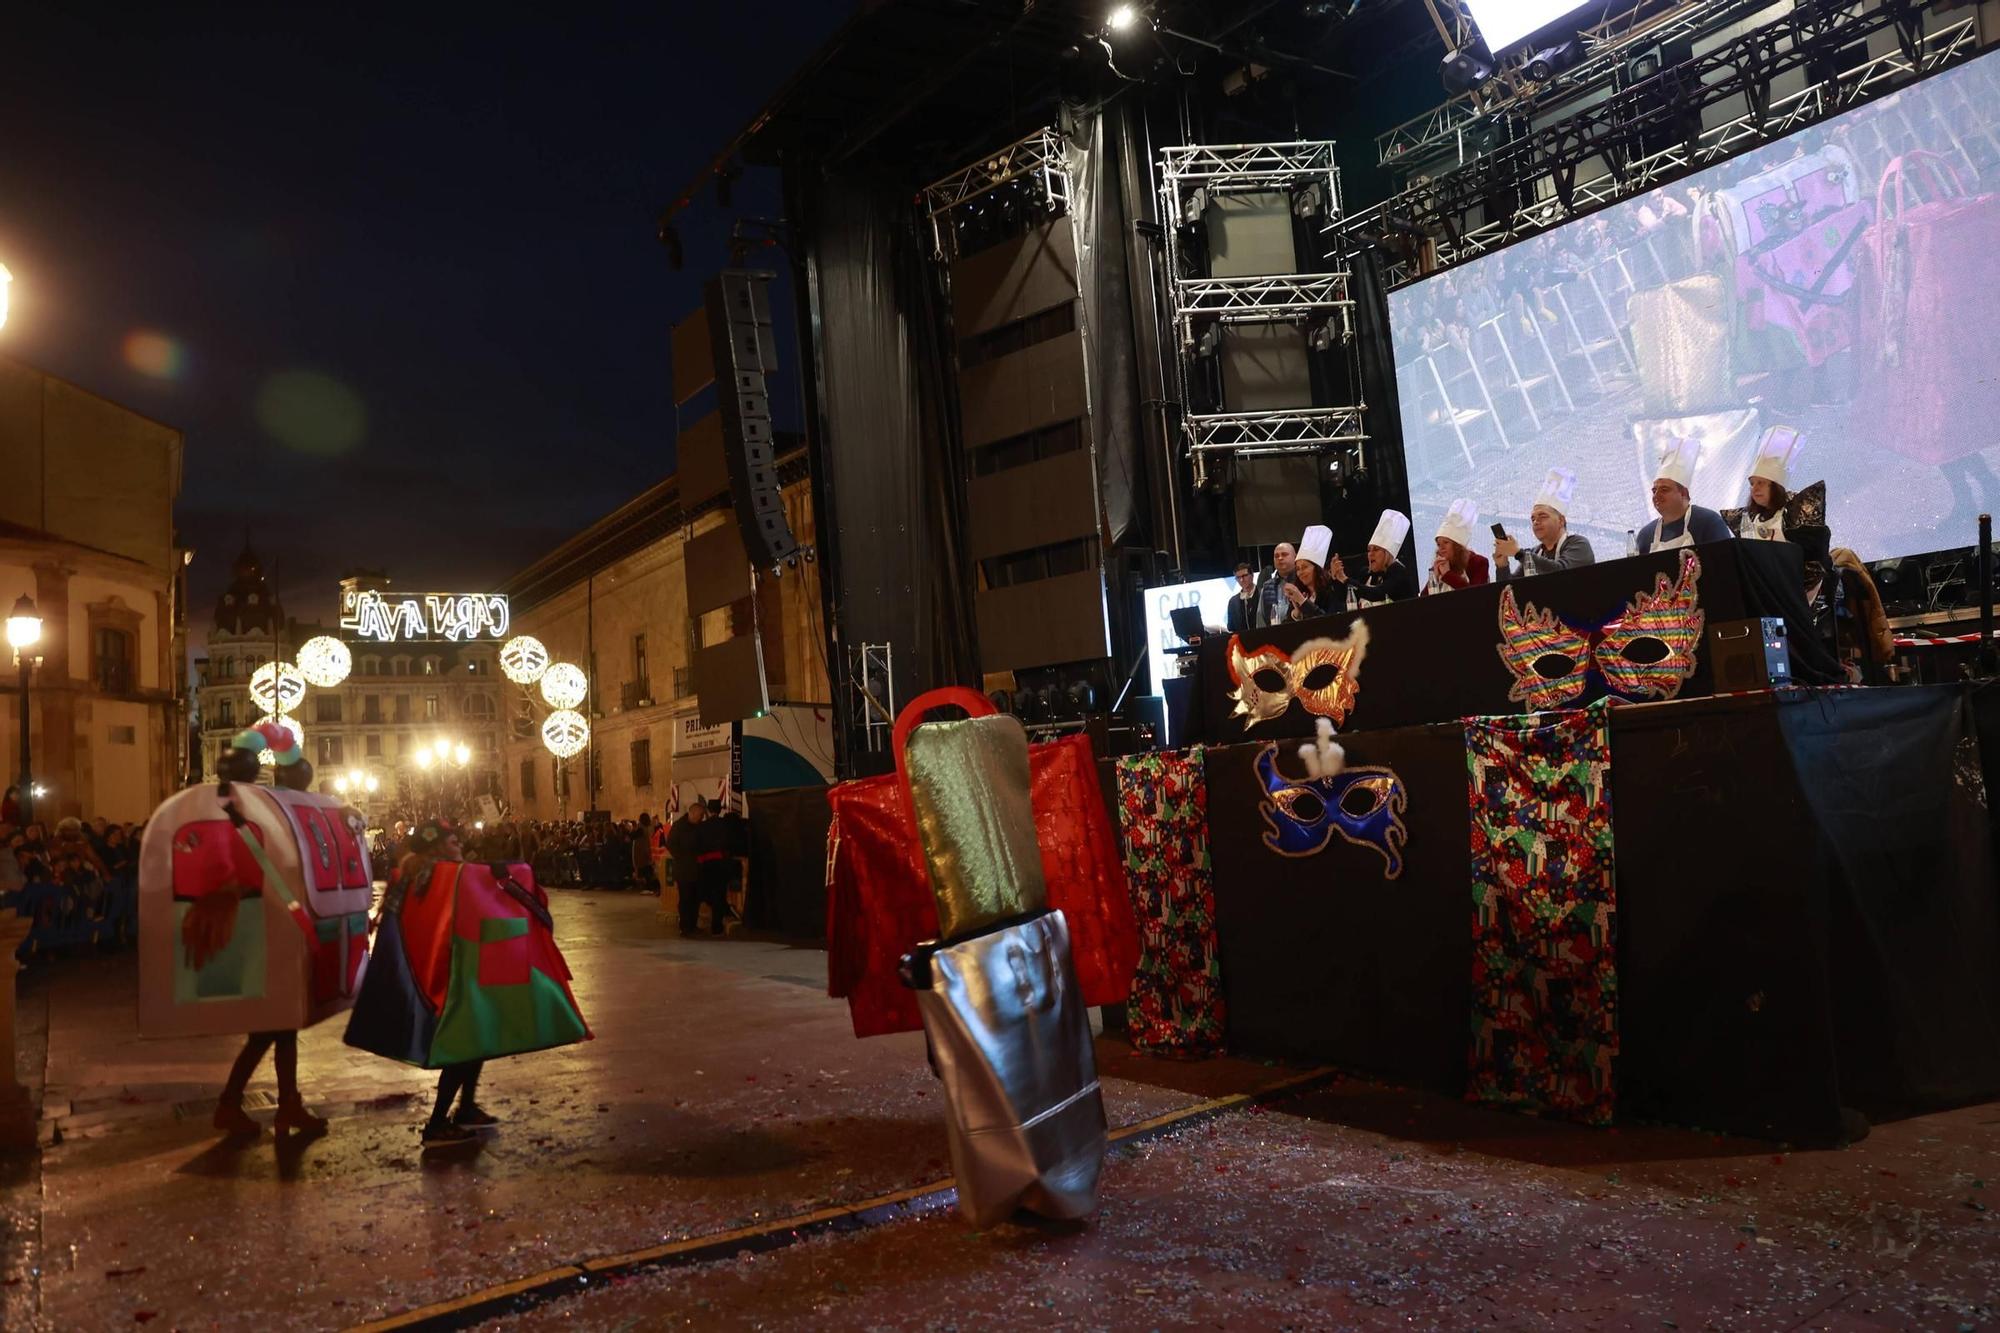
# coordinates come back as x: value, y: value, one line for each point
x: 87, y: 532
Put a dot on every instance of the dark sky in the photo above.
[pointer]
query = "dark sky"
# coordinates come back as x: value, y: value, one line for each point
x: 394, y: 273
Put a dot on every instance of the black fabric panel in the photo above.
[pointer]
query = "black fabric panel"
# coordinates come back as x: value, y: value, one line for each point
x: 1893, y: 778
x: 390, y: 1016
x: 1722, y: 926
x: 1323, y: 958
x: 1774, y: 582
x: 1986, y: 720
x: 1435, y: 659
x: 787, y: 890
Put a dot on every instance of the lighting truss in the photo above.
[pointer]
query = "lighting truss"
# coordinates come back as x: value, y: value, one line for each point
x: 1424, y: 137
x: 1239, y: 168
x: 1262, y: 300
x: 876, y: 709
x: 1587, y: 159
x: 1303, y: 430
x: 1037, y: 158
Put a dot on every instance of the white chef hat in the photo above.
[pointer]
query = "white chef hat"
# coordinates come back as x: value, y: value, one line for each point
x: 1677, y: 461
x: 1776, y: 449
x: 1315, y: 544
x: 1390, y: 530
x: 1558, y: 489
x: 1459, y: 521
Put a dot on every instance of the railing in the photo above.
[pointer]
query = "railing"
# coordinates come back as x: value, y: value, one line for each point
x: 635, y: 694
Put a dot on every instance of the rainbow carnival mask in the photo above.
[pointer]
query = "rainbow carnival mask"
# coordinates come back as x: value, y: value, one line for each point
x: 1364, y: 805
x: 1324, y: 675
x: 1647, y: 652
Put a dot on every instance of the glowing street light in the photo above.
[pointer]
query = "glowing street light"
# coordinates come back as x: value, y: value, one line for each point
x: 24, y: 631
x: 462, y: 755
x: 6, y: 280
x: 424, y: 759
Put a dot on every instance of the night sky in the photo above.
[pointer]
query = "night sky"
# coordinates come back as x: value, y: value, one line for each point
x: 395, y: 277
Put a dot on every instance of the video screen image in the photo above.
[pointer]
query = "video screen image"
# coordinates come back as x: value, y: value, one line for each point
x: 1844, y: 282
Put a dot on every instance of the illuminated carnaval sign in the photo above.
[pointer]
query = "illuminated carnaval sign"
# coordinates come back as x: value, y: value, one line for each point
x: 454, y: 617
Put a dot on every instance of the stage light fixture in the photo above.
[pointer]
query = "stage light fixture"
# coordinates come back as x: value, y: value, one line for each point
x: 1465, y: 69
x: 1307, y: 202
x: 1122, y: 18
x: 1207, y: 341
x: 1320, y: 336
x: 1082, y: 696
x: 1550, y: 61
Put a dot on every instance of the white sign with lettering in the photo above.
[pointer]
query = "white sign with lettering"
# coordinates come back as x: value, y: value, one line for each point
x: 417, y: 617
x: 690, y: 737
x: 1211, y: 595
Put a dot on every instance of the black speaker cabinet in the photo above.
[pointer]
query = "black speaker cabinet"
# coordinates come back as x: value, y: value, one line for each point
x: 1749, y: 654
x: 739, y: 324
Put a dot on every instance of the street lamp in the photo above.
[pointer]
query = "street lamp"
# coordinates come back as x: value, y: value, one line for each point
x: 24, y: 631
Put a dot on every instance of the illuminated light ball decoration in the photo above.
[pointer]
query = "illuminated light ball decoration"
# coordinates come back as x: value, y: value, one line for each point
x: 324, y: 661
x: 565, y: 732
x: 564, y: 686
x: 291, y: 724
x: 277, y: 687
x: 523, y: 659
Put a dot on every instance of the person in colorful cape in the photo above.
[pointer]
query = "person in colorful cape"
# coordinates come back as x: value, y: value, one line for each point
x: 434, y: 841
x: 211, y: 922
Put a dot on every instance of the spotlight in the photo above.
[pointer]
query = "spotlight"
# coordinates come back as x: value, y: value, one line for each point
x: 1196, y: 205
x: 1207, y: 341
x: 1550, y: 61
x: 1082, y: 696
x: 1320, y: 337
x: 1465, y: 69
x: 1307, y: 202
x: 1122, y: 18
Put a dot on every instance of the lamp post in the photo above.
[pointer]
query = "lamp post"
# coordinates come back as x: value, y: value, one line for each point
x: 24, y: 631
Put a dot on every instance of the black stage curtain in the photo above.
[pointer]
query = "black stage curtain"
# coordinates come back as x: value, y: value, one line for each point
x: 1323, y: 957
x: 1725, y: 1020
x: 1894, y: 784
x: 1097, y: 212
x: 888, y: 400
x: 1986, y: 718
x: 787, y: 890
x: 1807, y: 908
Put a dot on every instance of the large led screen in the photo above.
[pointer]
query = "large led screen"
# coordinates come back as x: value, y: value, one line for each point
x: 1504, y: 22
x: 1844, y: 282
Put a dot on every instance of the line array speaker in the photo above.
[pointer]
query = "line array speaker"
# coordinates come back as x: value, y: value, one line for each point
x: 739, y: 324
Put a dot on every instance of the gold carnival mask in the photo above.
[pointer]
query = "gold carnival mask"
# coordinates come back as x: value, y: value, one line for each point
x: 1324, y: 675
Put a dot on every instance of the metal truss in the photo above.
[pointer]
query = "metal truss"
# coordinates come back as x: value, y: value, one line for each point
x: 1262, y: 300
x: 1426, y: 137
x: 1243, y: 167
x: 1038, y: 158
x: 871, y: 680
x: 1303, y: 430
x: 1588, y: 160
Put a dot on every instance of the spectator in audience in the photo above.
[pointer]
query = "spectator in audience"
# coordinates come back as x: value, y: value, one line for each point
x: 1310, y: 592
x: 1272, y: 606
x: 1243, y: 602
x: 1456, y: 564
x: 1387, y: 579
x: 1556, y: 547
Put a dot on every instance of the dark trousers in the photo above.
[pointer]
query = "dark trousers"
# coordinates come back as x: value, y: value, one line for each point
x: 458, y: 1081
x: 286, y: 1046
x: 704, y: 882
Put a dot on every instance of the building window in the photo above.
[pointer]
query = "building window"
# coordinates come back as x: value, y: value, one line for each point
x: 330, y: 750
x: 371, y: 745
x: 402, y: 708
x: 642, y: 762
x: 479, y: 705
x: 225, y: 713
x: 527, y: 779
x: 326, y: 707
x: 124, y: 735
x: 371, y: 708
x: 399, y: 666
x: 639, y: 672
x: 111, y: 664
x: 371, y: 666
x: 430, y: 666
x: 431, y: 713
x: 402, y: 742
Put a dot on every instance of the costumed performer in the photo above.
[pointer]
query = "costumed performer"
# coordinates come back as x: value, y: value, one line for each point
x: 1556, y: 547
x: 1311, y: 591
x: 466, y: 969
x: 1388, y: 579
x: 1681, y: 522
x: 1456, y: 564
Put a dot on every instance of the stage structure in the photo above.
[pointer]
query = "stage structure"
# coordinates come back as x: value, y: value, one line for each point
x: 1700, y: 111
x: 1247, y: 317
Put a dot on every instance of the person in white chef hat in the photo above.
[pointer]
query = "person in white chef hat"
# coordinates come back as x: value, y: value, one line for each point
x: 1779, y: 513
x: 1681, y: 522
x: 1312, y: 591
x: 1556, y: 547
x: 1388, y: 579
x: 1456, y: 564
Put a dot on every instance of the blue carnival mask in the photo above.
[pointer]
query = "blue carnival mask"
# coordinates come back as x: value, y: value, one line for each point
x: 1364, y: 805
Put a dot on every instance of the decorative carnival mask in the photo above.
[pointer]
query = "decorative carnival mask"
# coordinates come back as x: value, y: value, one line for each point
x: 1363, y: 805
x: 1646, y: 653
x: 1322, y: 674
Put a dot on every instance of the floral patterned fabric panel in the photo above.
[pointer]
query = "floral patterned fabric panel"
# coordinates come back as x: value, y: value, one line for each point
x: 1177, y: 1005
x: 1544, y: 963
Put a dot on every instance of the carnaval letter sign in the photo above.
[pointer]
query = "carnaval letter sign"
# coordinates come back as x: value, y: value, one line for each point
x: 416, y: 618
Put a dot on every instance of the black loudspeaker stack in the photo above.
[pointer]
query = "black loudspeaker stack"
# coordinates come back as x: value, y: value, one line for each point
x: 739, y: 324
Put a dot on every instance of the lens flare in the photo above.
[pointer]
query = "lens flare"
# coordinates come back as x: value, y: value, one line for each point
x: 311, y: 412
x: 155, y: 355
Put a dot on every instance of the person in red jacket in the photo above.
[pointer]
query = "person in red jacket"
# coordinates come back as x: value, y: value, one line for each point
x: 1456, y: 564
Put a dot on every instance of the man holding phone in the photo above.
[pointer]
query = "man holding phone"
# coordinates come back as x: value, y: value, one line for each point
x: 1556, y: 547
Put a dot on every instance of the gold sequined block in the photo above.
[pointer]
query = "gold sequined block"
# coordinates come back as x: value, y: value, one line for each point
x: 969, y: 783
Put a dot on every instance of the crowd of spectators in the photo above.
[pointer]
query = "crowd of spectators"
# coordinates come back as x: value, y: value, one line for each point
x: 76, y: 879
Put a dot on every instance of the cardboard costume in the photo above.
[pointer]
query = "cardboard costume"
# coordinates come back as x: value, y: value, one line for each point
x: 466, y: 968
x: 1009, y: 1034
x: 253, y: 910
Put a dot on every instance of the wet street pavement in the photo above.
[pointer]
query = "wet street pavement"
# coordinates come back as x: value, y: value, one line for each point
x: 726, y: 1091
